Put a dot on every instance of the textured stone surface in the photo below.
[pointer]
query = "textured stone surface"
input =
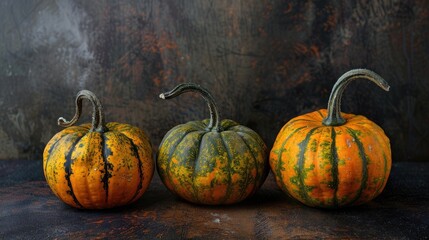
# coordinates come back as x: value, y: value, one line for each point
x: 264, y: 61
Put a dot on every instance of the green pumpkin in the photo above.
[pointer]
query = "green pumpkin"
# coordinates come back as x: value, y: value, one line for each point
x: 211, y: 161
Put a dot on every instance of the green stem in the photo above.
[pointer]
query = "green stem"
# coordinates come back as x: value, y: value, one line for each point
x: 98, y: 124
x: 192, y: 87
x: 334, y: 117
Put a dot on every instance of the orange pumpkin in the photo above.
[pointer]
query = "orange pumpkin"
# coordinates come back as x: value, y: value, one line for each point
x: 330, y: 159
x: 98, y: 165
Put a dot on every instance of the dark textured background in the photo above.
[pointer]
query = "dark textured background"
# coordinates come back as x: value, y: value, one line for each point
x: 265, y: 61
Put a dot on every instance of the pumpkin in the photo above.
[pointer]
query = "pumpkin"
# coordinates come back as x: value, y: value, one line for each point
x: 211, y: 161
x: 329, y: 159
x: 98, y: 165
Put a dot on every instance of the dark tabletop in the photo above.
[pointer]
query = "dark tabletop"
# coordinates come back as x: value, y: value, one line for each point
x: 29, y: 210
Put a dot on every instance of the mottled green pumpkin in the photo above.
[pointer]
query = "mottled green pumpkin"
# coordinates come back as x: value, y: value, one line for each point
x: 210, y: 161
x: 330, y: 159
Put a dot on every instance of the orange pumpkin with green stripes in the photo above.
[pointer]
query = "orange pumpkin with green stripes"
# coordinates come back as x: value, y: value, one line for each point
x: 211, y: 162
x: 98, y: 165
x: 330, y: 159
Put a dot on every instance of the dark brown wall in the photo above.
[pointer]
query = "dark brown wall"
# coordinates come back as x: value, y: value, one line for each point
x: 265, y: 61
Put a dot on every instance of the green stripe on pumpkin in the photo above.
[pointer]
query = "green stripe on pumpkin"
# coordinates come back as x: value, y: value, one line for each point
x: 59, y: 151
x: 254, y: 136
x: 177, y: 134
x: 244, y: 160
x: 257, y: 177
x: 362, y: 156
x: 376, y: 137
x: 108, y: 167
x: 279, y: 162
x: 165, y: 173
x: 69, y: 171
x: 318, y: 111
x: 301, y: 173
x: 228, y: 190
x: 135, y: 151
x: 194, y: 172
x: 53, y: 146
x: 60, y: 139
x: 294, y: 121
x: 227, y: 124
x: 198, y: 125
x: 334, y: 168
x: 182, y: 152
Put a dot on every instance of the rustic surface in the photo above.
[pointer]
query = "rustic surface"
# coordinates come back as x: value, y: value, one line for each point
x: 265, y: 62
x: 29, y: 210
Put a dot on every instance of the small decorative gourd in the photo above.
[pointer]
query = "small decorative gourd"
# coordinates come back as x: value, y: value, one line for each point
x: 330, y: 159
x: 211, y: 161
x: 98, y: 165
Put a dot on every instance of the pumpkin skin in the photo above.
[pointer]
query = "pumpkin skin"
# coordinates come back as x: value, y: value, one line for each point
x: 96, y: 170
x: 211, y: 167
x: 324, y: 166
x: 331, y: 166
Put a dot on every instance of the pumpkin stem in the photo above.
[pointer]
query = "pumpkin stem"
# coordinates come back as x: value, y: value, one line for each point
x: 192, y: 87
x: 97, y: 112
x: 334, y: 117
